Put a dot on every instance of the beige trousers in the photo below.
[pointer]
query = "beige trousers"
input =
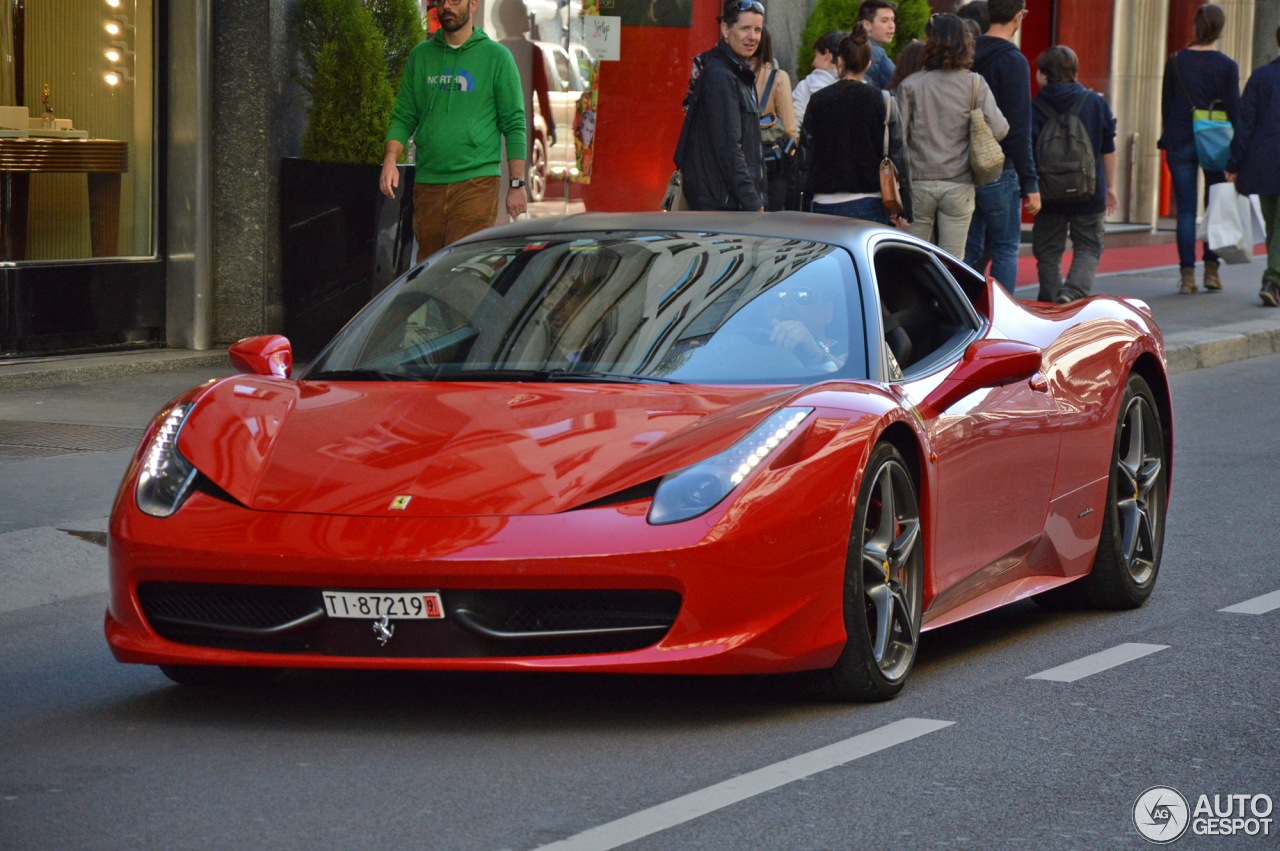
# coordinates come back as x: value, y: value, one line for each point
x: 948, y: 203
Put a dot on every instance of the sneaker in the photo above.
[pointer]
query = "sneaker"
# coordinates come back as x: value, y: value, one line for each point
x: 1212, y: 283
x: 1063, y: 298
x: 1270, y: 294
x: 1188, y: 284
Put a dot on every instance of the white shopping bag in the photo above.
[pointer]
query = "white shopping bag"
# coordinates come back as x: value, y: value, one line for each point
x: 1259, y: 224
x: 1229, y: 224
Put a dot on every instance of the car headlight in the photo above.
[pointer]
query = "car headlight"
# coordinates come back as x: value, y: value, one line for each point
x: 697, y: 489
x: 166, y: 476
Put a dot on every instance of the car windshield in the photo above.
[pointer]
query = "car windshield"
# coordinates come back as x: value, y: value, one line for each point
x: 671, y: 307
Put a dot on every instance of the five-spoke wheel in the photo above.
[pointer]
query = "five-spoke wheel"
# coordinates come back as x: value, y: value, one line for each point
x: 884, y: 578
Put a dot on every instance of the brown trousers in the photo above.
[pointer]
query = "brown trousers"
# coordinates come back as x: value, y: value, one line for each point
x: 444, y: 213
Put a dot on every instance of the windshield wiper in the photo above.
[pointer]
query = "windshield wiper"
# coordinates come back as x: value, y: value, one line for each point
x: 358, y: 375
x: 629, y: 377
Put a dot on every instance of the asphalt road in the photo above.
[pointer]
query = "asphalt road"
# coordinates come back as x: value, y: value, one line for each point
x: 94, y: 754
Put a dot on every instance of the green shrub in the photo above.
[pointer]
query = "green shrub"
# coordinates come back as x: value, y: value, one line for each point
x: 402, y: 31
x: 827, y: 15
x: 911, y: 17
x: 830, y: 15
x: 343, y: 67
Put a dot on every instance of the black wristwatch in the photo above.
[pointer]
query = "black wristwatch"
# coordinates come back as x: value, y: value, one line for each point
x: 517, y: 183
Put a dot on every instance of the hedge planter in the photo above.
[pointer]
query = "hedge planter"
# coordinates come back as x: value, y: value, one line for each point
x: 341, y: 243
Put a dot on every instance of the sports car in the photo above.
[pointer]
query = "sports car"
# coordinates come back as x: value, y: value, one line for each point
x: 669, y: 443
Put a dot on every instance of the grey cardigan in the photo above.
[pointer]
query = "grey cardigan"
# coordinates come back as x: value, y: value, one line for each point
x: 935, y: 117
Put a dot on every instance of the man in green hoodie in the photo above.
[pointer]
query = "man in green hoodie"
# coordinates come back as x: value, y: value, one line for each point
x: 459, y: 97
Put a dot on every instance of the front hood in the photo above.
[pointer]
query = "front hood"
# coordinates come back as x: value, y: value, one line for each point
x: 455, y: 448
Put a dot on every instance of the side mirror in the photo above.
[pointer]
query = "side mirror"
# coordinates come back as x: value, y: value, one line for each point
x: 269, y: 355
x: 986, y: 363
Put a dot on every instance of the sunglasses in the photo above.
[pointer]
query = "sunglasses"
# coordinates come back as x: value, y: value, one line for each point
x: 801, y: 296
x: 744, y: 6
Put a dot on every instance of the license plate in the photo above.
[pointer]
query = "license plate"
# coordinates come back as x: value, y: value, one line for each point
x: 374, y: 605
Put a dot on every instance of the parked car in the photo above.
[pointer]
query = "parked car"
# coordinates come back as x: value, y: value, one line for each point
x: 565, y: 84
x: 669, y: 443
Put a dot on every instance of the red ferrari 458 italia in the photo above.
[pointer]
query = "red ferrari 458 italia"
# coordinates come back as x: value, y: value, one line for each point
x: 668, y: 443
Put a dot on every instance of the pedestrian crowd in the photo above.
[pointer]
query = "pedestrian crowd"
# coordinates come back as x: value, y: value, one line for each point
x: 949, y: 144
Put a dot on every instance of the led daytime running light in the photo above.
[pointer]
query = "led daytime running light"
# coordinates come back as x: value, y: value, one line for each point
x: 695, y: 490
x: 166, y: 476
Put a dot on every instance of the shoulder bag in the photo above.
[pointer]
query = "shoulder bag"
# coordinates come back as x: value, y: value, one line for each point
x: 773, y: 136
x: 986, y: 158
x: 1210, y: 127
x: 890, y: 188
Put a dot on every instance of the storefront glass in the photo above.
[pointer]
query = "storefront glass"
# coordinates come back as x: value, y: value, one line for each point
x: 76, y: 129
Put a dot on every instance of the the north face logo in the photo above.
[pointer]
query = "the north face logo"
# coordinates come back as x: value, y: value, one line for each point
x: 461, y: 81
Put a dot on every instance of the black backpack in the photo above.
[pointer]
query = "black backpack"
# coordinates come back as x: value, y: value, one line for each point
x: 1064, y: 154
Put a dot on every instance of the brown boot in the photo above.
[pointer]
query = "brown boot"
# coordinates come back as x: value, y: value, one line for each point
x: 1188, y: 281
x: 1212, y: 282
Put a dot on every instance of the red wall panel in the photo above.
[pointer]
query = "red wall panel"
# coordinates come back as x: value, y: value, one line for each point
x: 1086, y: 29
x: 639, y: 116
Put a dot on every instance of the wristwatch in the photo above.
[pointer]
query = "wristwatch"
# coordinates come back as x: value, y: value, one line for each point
x: 517, y: 183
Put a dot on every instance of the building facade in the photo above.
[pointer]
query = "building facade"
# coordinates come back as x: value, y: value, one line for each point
x: 139, y: 202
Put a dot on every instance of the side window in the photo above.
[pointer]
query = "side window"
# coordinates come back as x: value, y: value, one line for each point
x: 972, y: 284
x: 924, y: 316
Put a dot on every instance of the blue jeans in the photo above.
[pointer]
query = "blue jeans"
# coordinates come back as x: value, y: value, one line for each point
x: 867, y: 209
x: 996, y: 229
x: 1184, y: 166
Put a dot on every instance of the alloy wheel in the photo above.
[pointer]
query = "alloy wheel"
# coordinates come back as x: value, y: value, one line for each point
x: 1138, y: 469
x: 538, y: 171
x: 890, y: 537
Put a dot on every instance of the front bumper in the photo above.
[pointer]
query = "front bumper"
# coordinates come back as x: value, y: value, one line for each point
x: 759, y: 579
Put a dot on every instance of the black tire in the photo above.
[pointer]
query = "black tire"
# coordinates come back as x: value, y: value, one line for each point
x: 884, y: 584
x: 219, y: 676
x: 1128, y: 561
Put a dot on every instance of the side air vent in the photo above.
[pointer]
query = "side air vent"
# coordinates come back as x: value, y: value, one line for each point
x: 644, y: 490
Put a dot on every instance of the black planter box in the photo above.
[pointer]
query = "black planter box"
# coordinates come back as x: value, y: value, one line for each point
x: 341, y: 243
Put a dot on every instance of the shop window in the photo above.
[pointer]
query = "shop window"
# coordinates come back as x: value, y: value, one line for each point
x: 77, y: 129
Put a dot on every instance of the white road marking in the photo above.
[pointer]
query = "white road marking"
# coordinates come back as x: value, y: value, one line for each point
x: 1256, y: 606
x: 695, y: 804
x: 1081, y: 668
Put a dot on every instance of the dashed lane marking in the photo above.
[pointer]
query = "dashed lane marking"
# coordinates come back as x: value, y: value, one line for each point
x: 1256, y: 606
x: 691, y: 806
x: 1081, y: 668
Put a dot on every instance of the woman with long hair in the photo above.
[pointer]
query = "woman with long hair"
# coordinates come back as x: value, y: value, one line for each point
x: 1197, y: 78
x: 778, y: 131
x: 843, y: 141
x: 935, y: 104
x: 910, y: 60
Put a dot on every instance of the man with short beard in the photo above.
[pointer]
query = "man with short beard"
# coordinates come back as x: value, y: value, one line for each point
x: 460, y: 97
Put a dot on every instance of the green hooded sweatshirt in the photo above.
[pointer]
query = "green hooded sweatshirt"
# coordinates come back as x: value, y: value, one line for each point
x: 458, y: 103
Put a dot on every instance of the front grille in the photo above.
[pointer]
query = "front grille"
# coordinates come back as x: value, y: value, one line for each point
x: 477, y: 623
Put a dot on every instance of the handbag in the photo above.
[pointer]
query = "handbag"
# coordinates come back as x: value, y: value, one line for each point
x: 1211, y: 128
x: 773, y: 136
x: 890, y: 188
x: 674, y: 201
x: 986, y: 157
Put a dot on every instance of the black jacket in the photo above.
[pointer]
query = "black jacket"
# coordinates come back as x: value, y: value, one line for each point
x: 842, y: 142
x: 719, y: 150
x: 1208, y: 76
x: 1255, y: 150
x: 1006, y: 71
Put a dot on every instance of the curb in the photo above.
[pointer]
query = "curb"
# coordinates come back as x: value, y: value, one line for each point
x: 54, y: 372
x: 1191, y: 350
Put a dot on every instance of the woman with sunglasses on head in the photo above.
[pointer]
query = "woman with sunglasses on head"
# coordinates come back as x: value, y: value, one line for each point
x: 719, y: 153
x: 936, y: 103
x: 843, y: 142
